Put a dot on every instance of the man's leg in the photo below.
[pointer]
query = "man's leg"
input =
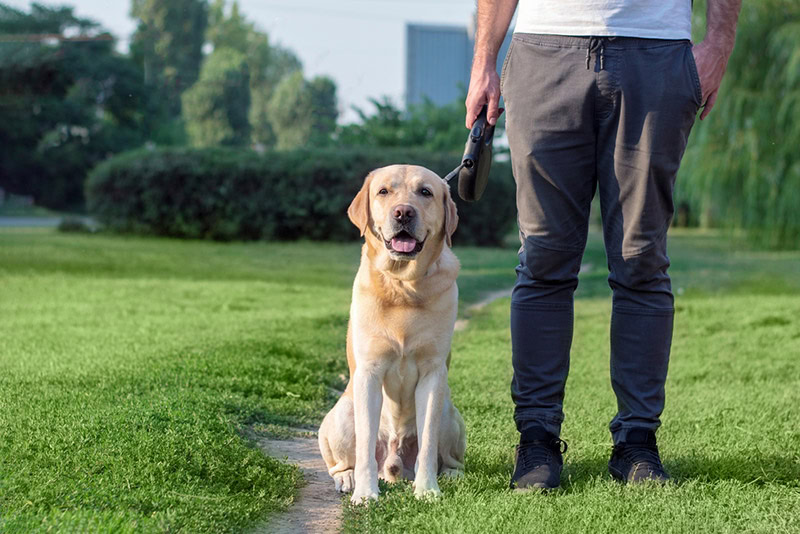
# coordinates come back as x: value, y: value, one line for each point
x: 653, y: 97
x: 547, y: 92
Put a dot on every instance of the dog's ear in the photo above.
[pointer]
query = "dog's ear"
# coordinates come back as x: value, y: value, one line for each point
x: 359, y: 207
x: 450, y: 215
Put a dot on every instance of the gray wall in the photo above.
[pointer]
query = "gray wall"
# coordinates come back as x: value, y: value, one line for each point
x: 438, y: 61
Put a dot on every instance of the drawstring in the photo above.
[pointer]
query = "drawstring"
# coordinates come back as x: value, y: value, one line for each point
x: 596, y: 44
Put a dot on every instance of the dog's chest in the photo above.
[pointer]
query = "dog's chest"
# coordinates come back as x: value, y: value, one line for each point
x: 399, y: 385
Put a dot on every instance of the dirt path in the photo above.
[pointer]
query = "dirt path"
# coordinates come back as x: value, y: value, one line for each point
x: 462, y: 324
x: 318, y: 508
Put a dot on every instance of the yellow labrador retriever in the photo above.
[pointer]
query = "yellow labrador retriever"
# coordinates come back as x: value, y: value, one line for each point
x: 395, y: 418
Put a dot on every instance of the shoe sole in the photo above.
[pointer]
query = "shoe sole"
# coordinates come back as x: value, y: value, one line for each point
x: 617, y: 475
x: 536, y: 488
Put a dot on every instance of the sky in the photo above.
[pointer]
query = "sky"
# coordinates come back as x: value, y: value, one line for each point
x: 358, y: 43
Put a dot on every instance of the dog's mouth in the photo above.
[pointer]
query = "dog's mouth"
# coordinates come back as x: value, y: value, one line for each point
x: 404, y: 244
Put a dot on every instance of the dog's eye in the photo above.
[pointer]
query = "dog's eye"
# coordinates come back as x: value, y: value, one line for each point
x: 383, y: 191
x: 425, y: 192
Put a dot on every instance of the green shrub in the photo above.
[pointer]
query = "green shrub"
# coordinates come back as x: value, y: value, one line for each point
x: 225, y: 194
x: 72, y: 224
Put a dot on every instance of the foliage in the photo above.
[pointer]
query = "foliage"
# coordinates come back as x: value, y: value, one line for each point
x: 303, y: 112
x: 281, y: 64
x: 267, y: 63
x: 65, y: 106
x: 742, y: 167
x: 323, y: 109
x: 234, y: 194
x: 424, y: 125
x: 42, y: 19
x: 168, y: 43
x: 73, y: 224
x: 216, y: 108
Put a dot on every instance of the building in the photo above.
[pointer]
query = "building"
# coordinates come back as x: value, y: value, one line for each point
x: 438, y: 62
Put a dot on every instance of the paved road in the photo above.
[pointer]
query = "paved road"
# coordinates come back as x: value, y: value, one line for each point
x: 40, y: 222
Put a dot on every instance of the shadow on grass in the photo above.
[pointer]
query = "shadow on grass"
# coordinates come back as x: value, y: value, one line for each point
x: 581, y: 474
x: 752, y: 469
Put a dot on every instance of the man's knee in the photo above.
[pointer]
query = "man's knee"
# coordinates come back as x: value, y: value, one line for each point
x: 545, y: 270
x: 641, y: 280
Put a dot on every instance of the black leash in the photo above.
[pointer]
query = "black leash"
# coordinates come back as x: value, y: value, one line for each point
x: 452, y: 174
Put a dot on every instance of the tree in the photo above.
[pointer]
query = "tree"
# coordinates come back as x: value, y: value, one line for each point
x: 323, y: 109
x: 69, y: 101
x: 303, y: 112
x: 435, y: 128
x: 742, y: 165
x: 216, y: 108
x: 168, y: 43
x: 268, y: 64
x: 289, y: 111
x: 275, y: 64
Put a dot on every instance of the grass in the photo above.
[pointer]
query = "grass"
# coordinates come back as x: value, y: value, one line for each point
x: 131, y: 369
x: 731, y: 437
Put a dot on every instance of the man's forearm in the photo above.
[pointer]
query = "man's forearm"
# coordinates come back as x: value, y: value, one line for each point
x: 494, y: 16
x: 721, y: 18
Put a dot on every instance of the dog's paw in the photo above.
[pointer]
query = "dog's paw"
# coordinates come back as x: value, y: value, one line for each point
x: 363, y: 497
x: 427, y: 491
x: 453, y: 473
x: 344, y: 481
x: 427, y: 494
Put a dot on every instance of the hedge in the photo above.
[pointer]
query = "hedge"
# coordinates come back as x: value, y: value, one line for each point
x: 235, y: 194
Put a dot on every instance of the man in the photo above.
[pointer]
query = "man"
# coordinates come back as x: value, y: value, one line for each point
x: 599, y: 94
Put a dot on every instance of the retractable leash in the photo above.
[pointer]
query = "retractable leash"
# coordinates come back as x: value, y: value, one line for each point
x: 473, y: 173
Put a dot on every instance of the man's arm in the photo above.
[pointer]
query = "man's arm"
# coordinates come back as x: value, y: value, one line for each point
x: 712, y: 54
x: 494, y: 17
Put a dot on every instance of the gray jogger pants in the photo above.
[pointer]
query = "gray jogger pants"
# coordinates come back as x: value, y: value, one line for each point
x: 604, y: 113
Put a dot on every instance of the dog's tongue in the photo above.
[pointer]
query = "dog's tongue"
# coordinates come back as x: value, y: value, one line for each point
x: 403, y: 244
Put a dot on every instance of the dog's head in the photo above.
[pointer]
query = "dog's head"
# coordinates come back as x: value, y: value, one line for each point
x: 406, y: 213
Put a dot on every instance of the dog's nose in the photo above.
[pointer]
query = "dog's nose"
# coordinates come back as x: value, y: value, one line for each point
x: 403, y: 213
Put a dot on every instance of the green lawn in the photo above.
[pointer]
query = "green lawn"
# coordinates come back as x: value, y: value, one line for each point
x: 131, y: 368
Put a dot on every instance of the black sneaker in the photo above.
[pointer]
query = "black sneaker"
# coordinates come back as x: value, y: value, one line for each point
x: 636, y: 459
x: 538, y: 461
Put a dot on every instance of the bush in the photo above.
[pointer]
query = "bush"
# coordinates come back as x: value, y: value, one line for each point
x: 225, y: 194
x: 71, y: 224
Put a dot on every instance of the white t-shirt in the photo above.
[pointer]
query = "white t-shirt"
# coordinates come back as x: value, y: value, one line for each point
x: 652, y: 19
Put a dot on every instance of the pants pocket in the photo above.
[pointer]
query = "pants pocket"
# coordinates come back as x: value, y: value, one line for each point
x: 505, y: 65
x: 698, y: 90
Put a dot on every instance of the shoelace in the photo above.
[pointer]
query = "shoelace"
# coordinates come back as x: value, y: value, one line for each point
x: 539, y: 452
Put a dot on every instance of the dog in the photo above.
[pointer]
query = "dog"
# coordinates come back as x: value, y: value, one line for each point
x: 395, y: 419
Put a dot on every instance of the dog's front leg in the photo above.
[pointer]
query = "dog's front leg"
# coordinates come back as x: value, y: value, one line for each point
x: 429, y: 400
x: 367, y: 401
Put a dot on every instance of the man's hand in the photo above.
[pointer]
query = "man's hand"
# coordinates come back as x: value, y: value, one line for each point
x: 484, y: 83
x: 711, y: 55
x: 711, y: 64
x: 484, y: 88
